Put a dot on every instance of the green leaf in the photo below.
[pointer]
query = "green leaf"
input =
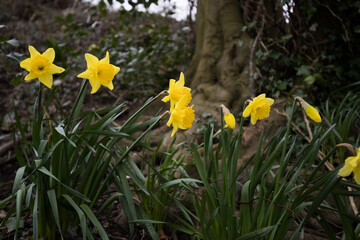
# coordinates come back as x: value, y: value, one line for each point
x: 54, y: 207
x: 309, y: 80
x: 13, y: 42
x: 73, y: 191
x: 257, y: 234
x: 61, y: 130
x: 303, y: 70
x: 180, y: 181
x: 80, y: 213
x: 95, y: 221
x: 18, y: 179
x: 11, y: 224
x: 19, y: 200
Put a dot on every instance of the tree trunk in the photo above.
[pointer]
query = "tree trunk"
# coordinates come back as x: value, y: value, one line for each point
x: 219, y: 70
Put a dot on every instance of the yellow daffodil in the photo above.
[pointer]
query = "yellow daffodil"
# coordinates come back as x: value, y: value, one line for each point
x: 310, y: 111
x: 230, y: 121
x: 41, y: 66
x: 228, y: 117
x: 352, y: 164
x: 258, y: 108
x: 181, y: 116
x: 176, y: 91
x: 99, y: 72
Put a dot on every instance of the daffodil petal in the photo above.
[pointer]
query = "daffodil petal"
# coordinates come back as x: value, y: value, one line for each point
x: 253, y: 120
x: 230, y: 120
x: 46, y: 79
x: 110, y: 85
x: 312, y: 113
x: 183, y: 101
x: 88, y: 74
x: 91, y: 60
x: 30, y: 76
x: 247, y: 111
x: 26, y: 64
x: 175, y: 128
x: 166, y: 98
x: 116, y: 69
x: 53, y: 69
x: 345, y: 170
x: 171, y: 83
x: 260, y: 97
x: 357, y: 176
x: 181, y: 81
x: 269, y: 101
x: 95, y: 86
x: 49, y: 54
x: 106, y: 59
x: 33, y: 52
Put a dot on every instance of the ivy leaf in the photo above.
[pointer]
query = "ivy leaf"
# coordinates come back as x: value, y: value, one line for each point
x: 303, y: 70
x: 309, y: 80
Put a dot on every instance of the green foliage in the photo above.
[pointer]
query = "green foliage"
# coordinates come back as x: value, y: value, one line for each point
x: 313, y: 54
x: 278, y: 190
x: 140, y: 47
x: 148, y: 49
x: 164, y: 184
x: 69, y: 164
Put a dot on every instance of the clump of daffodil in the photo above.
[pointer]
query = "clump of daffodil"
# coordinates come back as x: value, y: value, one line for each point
x: 310, y: 111
x: 181, y: 116
x: 176, y: 91
x: 258, y: 108
x: 228, y: 117
x: 41, y: 66
x: 99, y: 72
x: 352, y: 165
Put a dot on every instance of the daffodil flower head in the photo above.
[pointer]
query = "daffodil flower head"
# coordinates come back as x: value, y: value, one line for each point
x: 176, y: 91
x: 310, y: 111
x: 258, y: 108
x: 41, y: 66
x: 181, y: 115
x: 228, y: 117
x: 352, y: 165
x: 99, y: 72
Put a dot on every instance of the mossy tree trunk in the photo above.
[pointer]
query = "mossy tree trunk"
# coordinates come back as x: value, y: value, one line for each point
x: 219, y: 70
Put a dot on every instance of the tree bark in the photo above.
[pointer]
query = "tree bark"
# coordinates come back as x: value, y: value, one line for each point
x: 219, y: 70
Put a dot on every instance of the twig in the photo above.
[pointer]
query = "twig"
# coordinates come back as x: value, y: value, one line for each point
x: 348, y: 146
x: 293, y: 124
x: 307, y: 125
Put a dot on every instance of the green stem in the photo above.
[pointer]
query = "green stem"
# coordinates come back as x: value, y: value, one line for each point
x: 281, y: 168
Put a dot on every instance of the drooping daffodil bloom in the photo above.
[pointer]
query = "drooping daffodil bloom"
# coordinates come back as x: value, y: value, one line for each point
x: 228, y: 117
x: 181, y: 116
x: 41, y: 66
x: 258, y: 108
x: 312, y: 113
x: 176, y: 92
x: 99, y: 72
x: 352, y: 165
